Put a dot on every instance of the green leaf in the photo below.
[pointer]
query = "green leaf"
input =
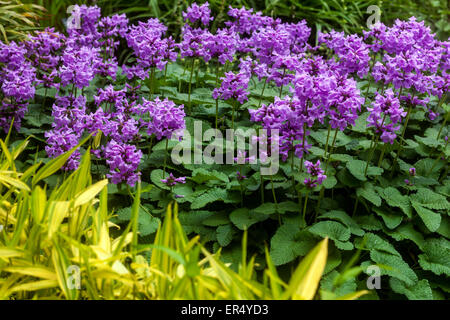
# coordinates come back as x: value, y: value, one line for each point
x: 225, y: 234
x: 215, y: 194
x: 394, y: 198
x: 391, y: 219
x: 147, y: 224
x: 243, y: 218
x: 407, y: 232
x: 436, y: 256
x: 289, y: 243
x: 266, y: 208
x: 397, y: 268
x: 329, y: 182
x: 55, y: 164
x: 430, y: 199
x: 431, y: 219
x: 201, y: 175
x: 332, y: 229
x: 368, y: 193
x: 217, y: 219
x: 374, y: 242
x: 357, y: 168
x: 341, y: 216
x: 419, y: 291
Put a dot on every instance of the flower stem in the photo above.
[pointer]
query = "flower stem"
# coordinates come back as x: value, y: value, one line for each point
x: 273, y: 191
x: 401, y: 139
x: 217, y: 100
x: 152, y: 78
x: 232, y: 114
x: 322, y: 189
x: 262, y: 186
x: 190, y: 85
x: 331, y: 150
x: 165, y: 158
x: 304, y: 206
x: 262, y: 92
x: 442, y: 127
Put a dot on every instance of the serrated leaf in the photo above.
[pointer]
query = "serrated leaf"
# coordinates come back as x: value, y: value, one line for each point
x: 391, y: 219
x: 341, y: 216
x: 375, y: 242
x: 429, y: 199
x: 243, y: 218
x: 225, y: 234
x: 368, y: 193
x: 432, y: 220
x: 419, y: 291
x: 210, y: 196
x: 394, y: 198
x: 289, y: 243
x: 332, y: 229
x: 357, y: 168
x: 436, y: 256
x: 397, y: 267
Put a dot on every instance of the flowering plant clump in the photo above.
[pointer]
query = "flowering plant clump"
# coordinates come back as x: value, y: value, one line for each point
x: 353, y: 127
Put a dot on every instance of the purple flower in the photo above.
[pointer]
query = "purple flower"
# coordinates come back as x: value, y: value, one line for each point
x: 172, y: 181
x: 412, y: 172
x: 351, y: 52
x: 385, y: 114
x: 150, y: 49
x: 123, y: 160
x: 234, y: 85
x: 196, y: 12
x: 165, y: 117
x: 60, y: 141
x: 240, y: 176
x: 17, y: 79
x: 316, y: 174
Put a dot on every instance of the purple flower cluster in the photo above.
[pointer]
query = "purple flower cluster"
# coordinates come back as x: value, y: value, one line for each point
x: 149, y: 47
x: 123, y: 159
x: 351, y: 52
x: 316, y: 174
x: 385, y: 114
x: 319, y: 90
x: 196, y: 12
x: 172, y: 181
x: 17, y: 78
x: 234, y: 85
x: 165, y: 117
x: 411, y: 57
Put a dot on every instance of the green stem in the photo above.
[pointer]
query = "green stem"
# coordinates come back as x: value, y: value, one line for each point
x: 152, y: 77
x: 331, y: 150
x: 374, y: 142
x: 190, y: 86
x: 304, y: 206
x: 262, y: 92
x: 281, y: 88
x: 273, y: 191
x: 232, y: 114
x: 165, y: 158
x: 322, y: 189
x: 217, y: 100
x: 401, y: 139
x: 326, y: 143
x: 437, y: 159
x: 381, y: 156
x: 261, y: 186
x: 442, y: 127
